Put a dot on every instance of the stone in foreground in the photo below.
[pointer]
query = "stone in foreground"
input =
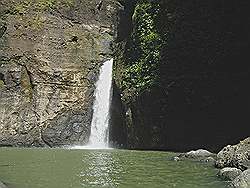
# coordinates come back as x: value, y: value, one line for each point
x: 2, y: 185
x: 242, y: 181
x: 229, y: 173
x: 200, y: 153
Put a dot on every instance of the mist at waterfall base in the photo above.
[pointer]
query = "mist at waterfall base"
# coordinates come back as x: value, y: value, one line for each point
x: 99, y: 135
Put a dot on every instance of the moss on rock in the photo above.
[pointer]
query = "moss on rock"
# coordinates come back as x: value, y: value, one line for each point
x: 141, y: 57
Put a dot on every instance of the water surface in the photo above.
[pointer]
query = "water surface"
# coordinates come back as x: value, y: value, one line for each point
x: 61, y: 168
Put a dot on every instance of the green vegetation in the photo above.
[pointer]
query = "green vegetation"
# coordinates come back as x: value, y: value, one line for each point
x: 142, y: 55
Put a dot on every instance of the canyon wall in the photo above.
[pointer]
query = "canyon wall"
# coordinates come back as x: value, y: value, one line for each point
x: 50, y: 54
x: 182, y: 70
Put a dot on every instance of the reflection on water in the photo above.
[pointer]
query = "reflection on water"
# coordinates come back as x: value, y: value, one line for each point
x: 61, y: 168
x: 103, y: 170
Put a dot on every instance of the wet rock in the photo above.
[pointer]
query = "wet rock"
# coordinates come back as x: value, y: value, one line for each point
x: 200, y: 153
x: 176, y: 159
x: 118, y: 135
x: 2, y: 185
x: 208, y: 160
x: 242, y: 181
x: 237, y: 156
x: 71, y: 127
x: 229, y: 173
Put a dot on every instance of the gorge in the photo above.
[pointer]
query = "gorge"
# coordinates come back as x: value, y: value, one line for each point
x: 184, y: 83
x: 51, y: 53
x: 164, y: 75
x: 174, y: 88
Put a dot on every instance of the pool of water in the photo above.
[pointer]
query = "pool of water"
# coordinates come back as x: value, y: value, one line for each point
x: 64, y: 168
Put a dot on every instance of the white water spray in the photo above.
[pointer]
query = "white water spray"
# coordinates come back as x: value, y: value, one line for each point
x: 100, y: 121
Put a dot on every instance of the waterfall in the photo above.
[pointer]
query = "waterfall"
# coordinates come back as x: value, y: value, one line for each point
x: 100, y: 121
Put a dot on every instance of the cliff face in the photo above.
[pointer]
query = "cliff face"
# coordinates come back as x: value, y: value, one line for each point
x: 50, y: 54
x: 181, y: 78
x: 185, y: 82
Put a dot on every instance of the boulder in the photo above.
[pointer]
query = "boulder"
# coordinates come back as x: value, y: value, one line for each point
x: 2, y: 185
x: 242, y: 181
x: 176, y: 159
x: 208, y: 160
x: 200, y: 153
x: 229, y: 173
x: 235, y: 156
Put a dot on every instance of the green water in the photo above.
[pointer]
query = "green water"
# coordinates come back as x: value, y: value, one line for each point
x: 61, y: 168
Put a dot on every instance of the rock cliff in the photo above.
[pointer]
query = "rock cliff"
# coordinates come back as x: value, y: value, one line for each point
x: 50, y: 54
x: 183, y: 74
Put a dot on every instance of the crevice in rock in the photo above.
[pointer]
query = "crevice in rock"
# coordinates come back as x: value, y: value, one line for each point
x: 44, y: 140
x: 202, y: 98
x: 2, y: 78
x: 30, y: 77
x: 99, y: 5
x: 3, y: 29
x: 74, y: 39
x: 119, y: 133
x: 125, y: 22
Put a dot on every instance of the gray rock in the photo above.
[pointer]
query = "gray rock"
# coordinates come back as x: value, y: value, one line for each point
x: 229, y: 173
x: 200, y: 153
x: 176, y: 159
x: 235, y: 156
x: 242, y: 181
x: 2, y: 185
x: 48, y: 70
x: 208, y: 160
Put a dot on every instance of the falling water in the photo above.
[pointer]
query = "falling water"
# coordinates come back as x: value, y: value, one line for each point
x: 100, y: 121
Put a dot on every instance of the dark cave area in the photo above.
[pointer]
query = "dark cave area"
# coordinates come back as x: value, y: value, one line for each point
x: 202, y: 97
